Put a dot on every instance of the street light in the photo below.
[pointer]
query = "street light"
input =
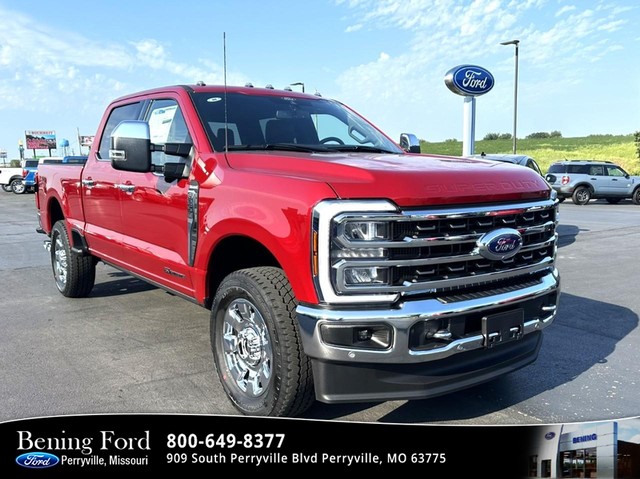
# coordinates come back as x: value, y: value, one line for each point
x: 515, y: 92
x: 299, y: 84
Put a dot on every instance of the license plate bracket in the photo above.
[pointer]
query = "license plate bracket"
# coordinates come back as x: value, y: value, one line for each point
x: 503, y: 327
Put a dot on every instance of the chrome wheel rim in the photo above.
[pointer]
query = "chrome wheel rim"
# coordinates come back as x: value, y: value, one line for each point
x: 247, y: 348
x: 18, y: 187
x: 60, y: 263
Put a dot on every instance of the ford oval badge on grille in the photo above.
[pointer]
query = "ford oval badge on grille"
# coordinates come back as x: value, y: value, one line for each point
x: 500, y: 244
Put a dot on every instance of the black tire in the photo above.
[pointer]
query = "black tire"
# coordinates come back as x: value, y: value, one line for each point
x: 636, y: 197
x: 581, y: 195
x: 17, y: 186
x: 74, y: 275
x: 613, y: 201
x: 256, y: 345
x: 7, y: 188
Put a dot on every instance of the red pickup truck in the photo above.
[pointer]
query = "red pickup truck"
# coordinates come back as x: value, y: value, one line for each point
x: 336, y: 264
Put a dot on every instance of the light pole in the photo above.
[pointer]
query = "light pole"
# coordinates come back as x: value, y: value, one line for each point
x: 515, y: 92
x: 299, y: 84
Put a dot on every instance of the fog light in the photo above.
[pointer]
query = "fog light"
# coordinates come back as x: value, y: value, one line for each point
x: 377, y: 336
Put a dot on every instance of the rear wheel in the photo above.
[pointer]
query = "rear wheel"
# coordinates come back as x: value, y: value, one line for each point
x: 75, y: 275
x: 256, y: 345
x: 17, y: 186
x: 613, y: 201
x: 636, y: 197
x: 581, y: 195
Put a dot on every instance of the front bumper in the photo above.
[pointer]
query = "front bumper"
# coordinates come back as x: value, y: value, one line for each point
x: 347, y: 374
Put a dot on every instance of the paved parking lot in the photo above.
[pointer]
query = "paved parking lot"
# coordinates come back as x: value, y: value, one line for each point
x: 130, y: 347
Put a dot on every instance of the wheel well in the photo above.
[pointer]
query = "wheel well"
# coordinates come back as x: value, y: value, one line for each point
x: 55, y: 213
x: 232, y: 254
x: 587, y: 185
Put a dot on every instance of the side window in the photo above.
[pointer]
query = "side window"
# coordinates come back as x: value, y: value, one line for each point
x: 615, y: 171
x: 121, y: 113
x: 596, y: 170
x: 166, y: 125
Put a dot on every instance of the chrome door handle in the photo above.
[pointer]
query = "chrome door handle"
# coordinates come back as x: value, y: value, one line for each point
x: 126, y: 188
x: 88, y: 183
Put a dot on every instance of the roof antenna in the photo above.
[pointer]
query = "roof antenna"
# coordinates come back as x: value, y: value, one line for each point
x: 224, y: 71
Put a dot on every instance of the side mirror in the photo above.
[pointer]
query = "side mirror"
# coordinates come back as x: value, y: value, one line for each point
x: 131, y: 147
x: 175, y: 171
x: 409, y: 143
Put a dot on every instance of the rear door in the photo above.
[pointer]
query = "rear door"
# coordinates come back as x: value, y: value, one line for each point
x: 154, y: 211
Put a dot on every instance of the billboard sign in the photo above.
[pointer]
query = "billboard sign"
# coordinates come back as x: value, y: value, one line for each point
x: 41, y: 139
x: 86, y: 140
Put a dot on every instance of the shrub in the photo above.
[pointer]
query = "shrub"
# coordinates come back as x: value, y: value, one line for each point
x: 637, y: 139
x: 538, y: 135
x: 505, y: 136
x: 555, y: 134
x: 491, y: 136
x: 14, y: 164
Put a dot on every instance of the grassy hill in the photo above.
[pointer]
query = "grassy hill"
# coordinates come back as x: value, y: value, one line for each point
x: 619, y: 149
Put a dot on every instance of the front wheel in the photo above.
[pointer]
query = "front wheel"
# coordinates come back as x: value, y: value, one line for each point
x: 636, y: 197
x: 7, y: 188
x: 256, y: 346
x: 581, y: 195
x: 75, y: 275
x: 17, y: 186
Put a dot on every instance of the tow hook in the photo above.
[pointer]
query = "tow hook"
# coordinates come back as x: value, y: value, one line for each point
x: 47, y: 245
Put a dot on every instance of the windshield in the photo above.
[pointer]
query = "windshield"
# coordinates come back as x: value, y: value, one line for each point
x: 256, y: 122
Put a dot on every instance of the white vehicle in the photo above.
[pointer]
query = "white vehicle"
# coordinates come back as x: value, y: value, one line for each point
x: 7, y: 175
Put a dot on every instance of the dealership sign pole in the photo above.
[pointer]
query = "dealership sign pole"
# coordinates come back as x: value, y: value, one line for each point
x: 469, y: 81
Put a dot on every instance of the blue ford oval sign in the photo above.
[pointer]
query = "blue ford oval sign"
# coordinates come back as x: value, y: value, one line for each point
x: 37, y: 460
x: 469, y: 80
x: 499, y: 244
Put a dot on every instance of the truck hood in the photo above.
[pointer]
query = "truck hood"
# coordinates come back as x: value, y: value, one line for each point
x: 408, y: 180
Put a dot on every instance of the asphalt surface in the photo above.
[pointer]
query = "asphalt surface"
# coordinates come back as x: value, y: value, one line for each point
x: 131, y: 347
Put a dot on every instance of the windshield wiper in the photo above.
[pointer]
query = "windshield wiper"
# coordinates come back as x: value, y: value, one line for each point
x: 366, y: 148
x: 280, y: 146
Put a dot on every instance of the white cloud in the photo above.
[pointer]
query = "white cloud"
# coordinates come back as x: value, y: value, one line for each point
x: 565, y: 9
x: 353, y: 28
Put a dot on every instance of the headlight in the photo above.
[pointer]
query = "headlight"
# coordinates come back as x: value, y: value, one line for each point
x: 369, y: 275
x: 352, y: 250
x: 366, y: 230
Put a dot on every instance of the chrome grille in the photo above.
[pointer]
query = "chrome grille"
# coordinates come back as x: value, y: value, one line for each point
x: 433, y: 251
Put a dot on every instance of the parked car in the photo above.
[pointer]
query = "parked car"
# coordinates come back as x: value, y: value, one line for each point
x: 583, y: 180
x: 335, y: 265
x: 522, y: 160
x: 27, y: 181
x: 7, y: 175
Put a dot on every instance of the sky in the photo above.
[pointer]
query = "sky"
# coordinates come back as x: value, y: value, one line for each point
x: 61, y: 63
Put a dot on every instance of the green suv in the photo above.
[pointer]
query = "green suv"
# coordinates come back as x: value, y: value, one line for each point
x: 585, y: 180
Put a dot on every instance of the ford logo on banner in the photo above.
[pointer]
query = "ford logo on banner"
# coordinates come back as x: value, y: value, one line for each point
x: 469, y: 80
x: 37, y: 460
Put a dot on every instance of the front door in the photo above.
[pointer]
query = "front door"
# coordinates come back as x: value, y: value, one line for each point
x: 154, y: 212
